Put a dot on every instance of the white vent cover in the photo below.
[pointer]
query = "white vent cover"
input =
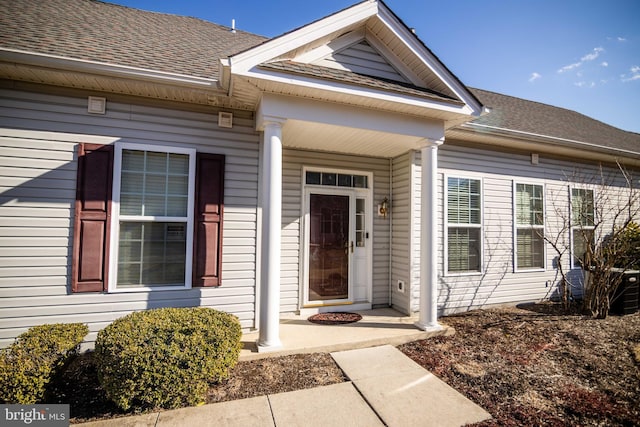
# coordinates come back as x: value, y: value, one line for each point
x: 97, y: 105
x: 225, y: 119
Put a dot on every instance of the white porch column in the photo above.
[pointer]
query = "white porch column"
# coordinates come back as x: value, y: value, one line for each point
x: 428, y: 319
x: 269, y: 334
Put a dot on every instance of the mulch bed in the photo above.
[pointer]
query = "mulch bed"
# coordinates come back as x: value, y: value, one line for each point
x: 534, y: 366
x: 335, y: 318
x: 540, y: 367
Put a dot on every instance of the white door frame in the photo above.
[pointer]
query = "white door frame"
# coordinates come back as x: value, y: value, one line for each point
x: 353, y: 193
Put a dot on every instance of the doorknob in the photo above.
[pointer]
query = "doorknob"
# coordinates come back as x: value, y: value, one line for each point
x: 351, y: 246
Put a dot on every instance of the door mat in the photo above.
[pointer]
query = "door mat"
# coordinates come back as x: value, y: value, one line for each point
x: 336, y: 318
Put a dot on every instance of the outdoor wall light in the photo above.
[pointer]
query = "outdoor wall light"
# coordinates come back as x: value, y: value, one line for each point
x: 383, y: 208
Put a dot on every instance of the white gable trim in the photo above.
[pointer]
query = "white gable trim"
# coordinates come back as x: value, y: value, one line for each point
x: 333, y: 46
x: 428, y: 58
x: 280, y: 45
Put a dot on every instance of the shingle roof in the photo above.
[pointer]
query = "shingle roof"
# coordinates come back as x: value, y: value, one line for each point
x: 357, y: 79
x: 516, y: 114
x: 108, y: 33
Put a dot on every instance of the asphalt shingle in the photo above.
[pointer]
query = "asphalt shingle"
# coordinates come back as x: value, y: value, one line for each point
x: 516, y: 114
x: 108, y: 33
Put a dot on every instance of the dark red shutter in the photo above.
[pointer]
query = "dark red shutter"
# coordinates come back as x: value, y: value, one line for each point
x: 90, y: 263
x: 207, y: 259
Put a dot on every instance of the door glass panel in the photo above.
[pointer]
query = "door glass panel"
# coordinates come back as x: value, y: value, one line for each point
x: 360, y: 221
x: 328, y: 247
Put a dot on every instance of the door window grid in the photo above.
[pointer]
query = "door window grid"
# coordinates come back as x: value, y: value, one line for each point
x: 334, y: 179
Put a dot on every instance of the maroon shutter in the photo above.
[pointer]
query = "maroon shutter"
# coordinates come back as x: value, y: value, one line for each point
x: 207, y: 259
x: 92, y: 219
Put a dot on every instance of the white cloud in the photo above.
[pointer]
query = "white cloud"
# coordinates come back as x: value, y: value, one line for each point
x: 604, y: 64
x: 588, y: 57
x: 534, y: 77
x: 585, y: 84
x: 622, y: 39
x: 593, y: 55
x: 569, y: 67
x: 635, y: 74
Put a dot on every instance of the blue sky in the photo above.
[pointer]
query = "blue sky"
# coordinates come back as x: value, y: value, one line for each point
x: 578, y: 54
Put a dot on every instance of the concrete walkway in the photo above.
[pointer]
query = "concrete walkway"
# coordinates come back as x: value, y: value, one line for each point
x: 385, y: 388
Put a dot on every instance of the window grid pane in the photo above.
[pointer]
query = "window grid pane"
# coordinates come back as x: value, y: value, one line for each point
x: 463, y: 249
x: 529, y: 219
x: 151, y: 254
x: 582, y: 206
x: 463, y: 201
x: 530, y: 247
x: 154, y: 184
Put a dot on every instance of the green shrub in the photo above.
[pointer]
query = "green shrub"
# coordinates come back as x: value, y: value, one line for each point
x: 31, y: 362
x: 166, y: 357
x: 629, y: 240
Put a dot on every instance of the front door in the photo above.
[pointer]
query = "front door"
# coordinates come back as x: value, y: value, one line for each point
x: 337, y: 261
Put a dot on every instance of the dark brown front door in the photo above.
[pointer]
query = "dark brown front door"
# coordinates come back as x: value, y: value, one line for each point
x: 328, y: 247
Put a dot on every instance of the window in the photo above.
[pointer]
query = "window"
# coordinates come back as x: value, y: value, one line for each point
x: 333, y: 179
x: 155, y: 218
x: 464, y: 225
x: 147, y: 217
x: 582, y: 224
x: 529, y: 226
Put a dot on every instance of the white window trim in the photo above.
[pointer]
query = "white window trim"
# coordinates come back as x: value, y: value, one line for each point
x: 447, y: 224
x: 516, y: 227
x: 115, y: 217
x: 573, y: 227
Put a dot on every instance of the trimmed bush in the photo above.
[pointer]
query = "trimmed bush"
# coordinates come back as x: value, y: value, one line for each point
x: 31, y: 362
x: 166, y: 357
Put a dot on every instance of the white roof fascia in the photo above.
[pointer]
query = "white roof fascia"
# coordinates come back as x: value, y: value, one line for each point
x: 280, y: 45
x: 475, y: 127
x: 93, y: 67
x: 403, y: 33
x: 348, y: 89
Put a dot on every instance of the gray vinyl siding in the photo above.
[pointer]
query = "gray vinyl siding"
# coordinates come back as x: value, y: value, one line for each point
x: 362, y: 58
x: 499, y: 283
x: 401, y: 218
x: 39, y: 134
x: 292, y: 203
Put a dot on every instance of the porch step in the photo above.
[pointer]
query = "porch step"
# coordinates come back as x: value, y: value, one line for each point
x: 377, y: 327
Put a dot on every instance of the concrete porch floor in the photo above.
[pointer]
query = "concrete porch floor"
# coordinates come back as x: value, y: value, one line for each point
x: 377, y: 327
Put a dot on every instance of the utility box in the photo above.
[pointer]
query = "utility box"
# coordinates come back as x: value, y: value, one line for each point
x: 626, y: 298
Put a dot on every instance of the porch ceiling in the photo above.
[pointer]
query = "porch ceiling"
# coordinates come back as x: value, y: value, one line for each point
x: 341, y: 139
